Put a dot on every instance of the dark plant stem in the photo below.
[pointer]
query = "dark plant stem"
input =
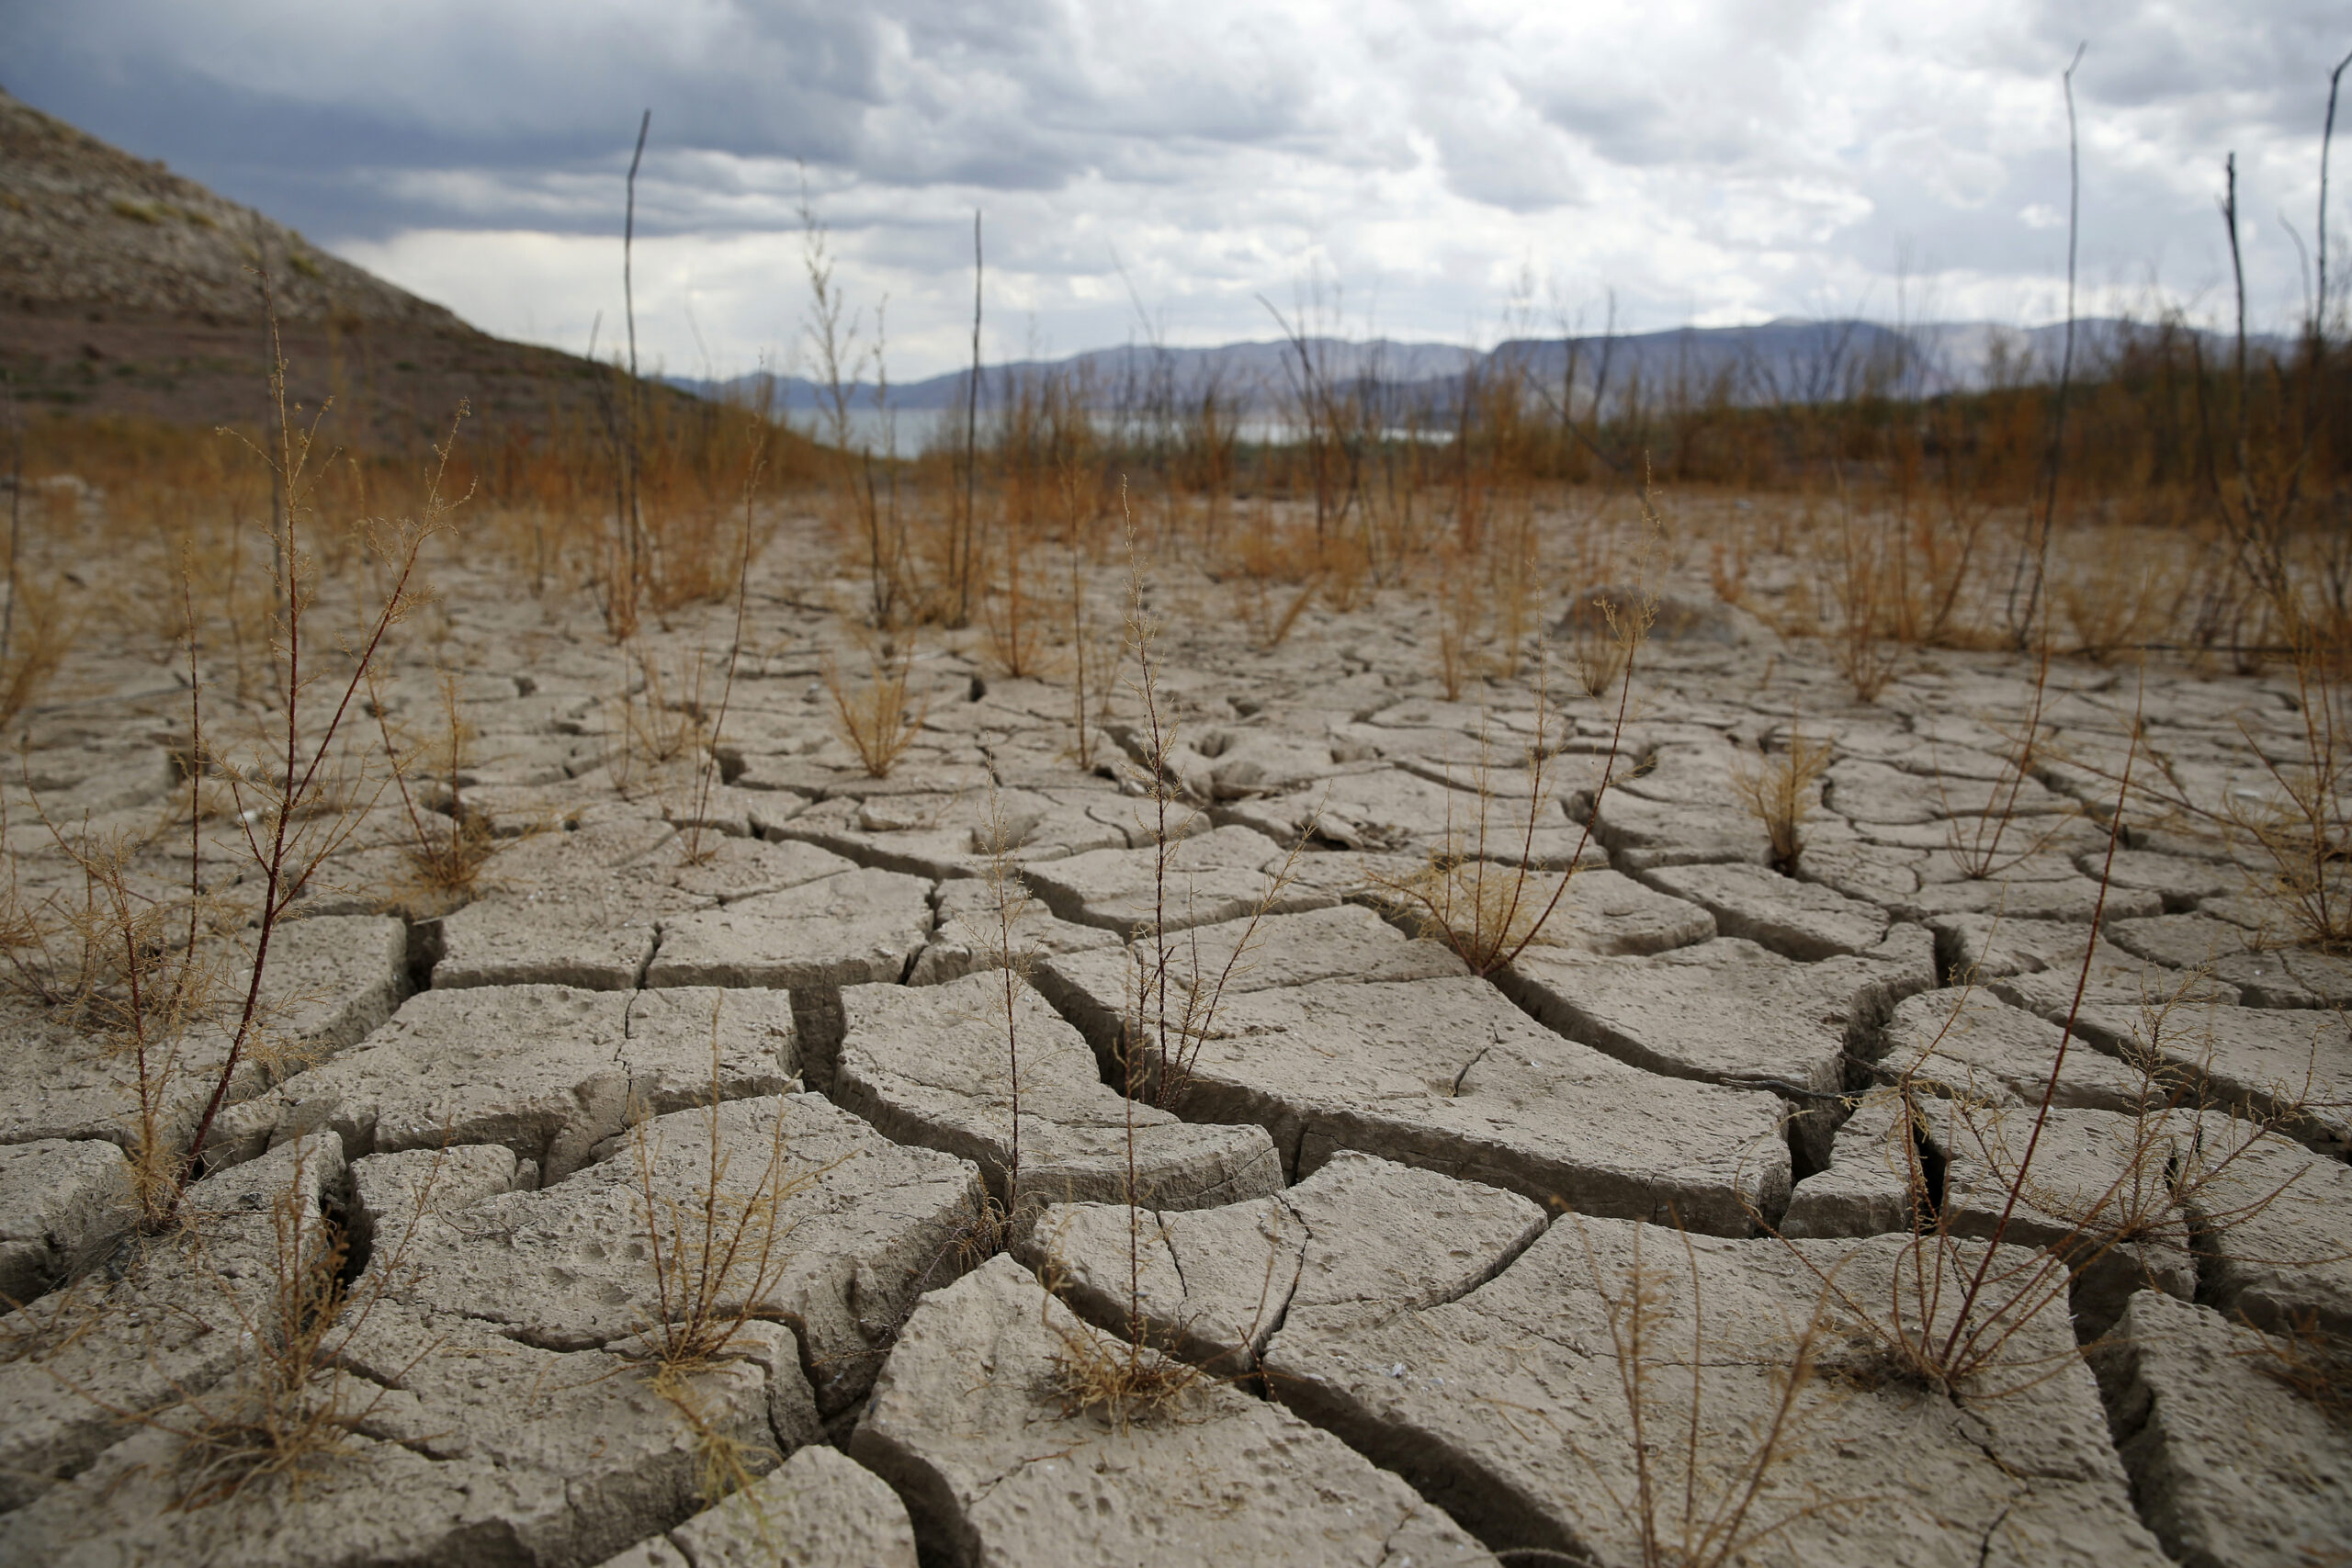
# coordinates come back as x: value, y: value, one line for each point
x: 16, y: 516
x: 631, y: 523
x: 971, y: 442
x: 2055, y: 458
x: 2326, y: 139
x: 734, y: 656
x: 1960, y: 1331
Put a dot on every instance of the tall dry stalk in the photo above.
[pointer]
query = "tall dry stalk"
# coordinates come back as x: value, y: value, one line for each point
x: 277, y: 801
x: 708, y: 773
x: 1681, y: 1515
x: 1162, y: 1037
x: 718, y: 1253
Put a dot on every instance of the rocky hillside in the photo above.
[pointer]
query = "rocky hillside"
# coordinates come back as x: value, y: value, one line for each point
x: 85, y: 226
x: 127, y: 289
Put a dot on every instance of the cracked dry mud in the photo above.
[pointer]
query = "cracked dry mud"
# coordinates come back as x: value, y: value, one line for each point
x: 1400, y: 1216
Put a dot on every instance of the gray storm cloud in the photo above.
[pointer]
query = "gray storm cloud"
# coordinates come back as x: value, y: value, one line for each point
x: 1708, y: 161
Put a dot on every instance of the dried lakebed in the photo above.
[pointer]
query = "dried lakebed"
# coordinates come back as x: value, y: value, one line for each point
x: 1614, y: 1251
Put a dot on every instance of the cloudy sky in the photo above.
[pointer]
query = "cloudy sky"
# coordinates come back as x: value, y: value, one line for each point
x: 1431, y: 166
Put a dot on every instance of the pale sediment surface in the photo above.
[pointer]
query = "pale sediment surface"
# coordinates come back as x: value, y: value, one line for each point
x: 746, y: 1042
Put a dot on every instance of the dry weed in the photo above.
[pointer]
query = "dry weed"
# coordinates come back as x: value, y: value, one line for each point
x: 876, y: 720
x: 2315, y: 1363
x: 667, y: 722
x: 1955, y: 1305
x: 1599, y: 653
x: 35, y: 637
x: 1777, y: 789
x: 1122, y: 1378
x: 1685, y: 1511
x: 291, y: 1407
x: 1863, y: 648
x: 1485, y: 907
x: 717, y: 1254
x: 2304, y: 829
x: 448, y: 848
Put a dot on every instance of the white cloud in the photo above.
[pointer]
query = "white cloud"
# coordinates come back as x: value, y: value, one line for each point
x: 1709, y: 160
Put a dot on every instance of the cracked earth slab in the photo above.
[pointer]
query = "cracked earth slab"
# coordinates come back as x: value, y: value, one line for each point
x: 940, y: 837
x: 89, y: 1363
x: 973, y: 915
x: 468, y: 1448
x: 2231, y: 1463
x: 930, y: 1066
x: 565, y: 909
x: 62, y: 1202
x: 861, y: 1227
x: 1804, y: 920
x: 2101, y: 1193
x: 1507, y: 1407
x: 1210, y: 878
x: 1432, y: 1068
x: 1729, y: 1011
x: 856, y: 928
x: 967, y: 1425
x: 818, y: 1509
x: 548, y: 1071
x: 1216, y: 1283
x: 330, y: 979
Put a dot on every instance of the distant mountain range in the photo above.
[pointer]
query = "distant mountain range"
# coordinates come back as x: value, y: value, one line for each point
x: 1789, y: 360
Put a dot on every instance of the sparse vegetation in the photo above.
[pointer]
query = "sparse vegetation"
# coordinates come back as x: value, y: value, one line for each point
x: 876, y: 720
x: 2150, y: 502
x: 1777, y: 788
x: 291, y: 1407
x: 1688, y: 1508
x: 448, y: 847
x: 1480, y: 895
x: 717, y: 1252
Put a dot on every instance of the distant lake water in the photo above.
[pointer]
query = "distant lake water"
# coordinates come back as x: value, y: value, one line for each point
x: 909, y: 433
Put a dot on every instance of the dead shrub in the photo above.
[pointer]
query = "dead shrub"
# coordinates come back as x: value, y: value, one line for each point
x: 1777, y: 789
x: 876, y: 720
x: 718, y: 1253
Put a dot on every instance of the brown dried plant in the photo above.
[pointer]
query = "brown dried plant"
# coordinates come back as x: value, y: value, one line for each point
x: 667, y: 722
x: 448, y: 848
x: 37, y: 637
x: 1976, y: 849
x: 1685, y: 1513
x: 1862, y: 582
x: 707, y: 773
x: 1014, y: 631
x: 1486, y: 906
x: 1599, y: 655
x: 1777, y: 789
x: 144, y: 980
x: 291, y: 1407
x: 2309, y: 1359
x: 1006, y: 947
x: 876, y: 720
x: 1954, y: 1305
x: 717, y: 1254
x: 1121, y: 1377
x: 145, y: 970
x: 1162, y: 1035
x: 2304, y: 829
x: 1457, y: 624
